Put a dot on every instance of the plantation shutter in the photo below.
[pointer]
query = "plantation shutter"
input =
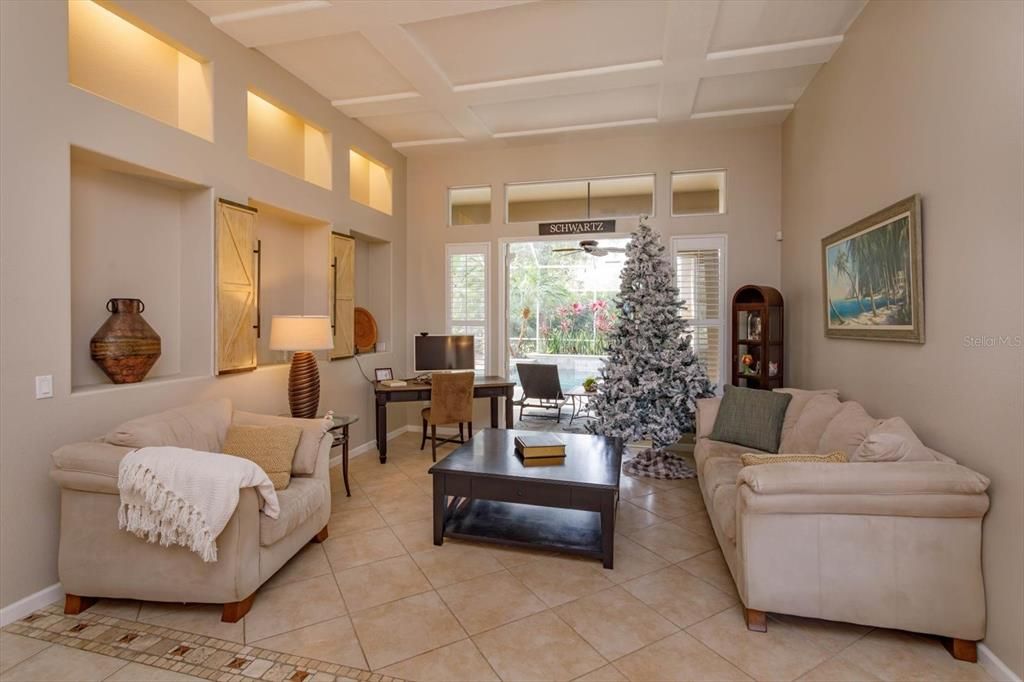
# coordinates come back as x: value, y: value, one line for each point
x: 700, y: 276
x: 467, y: 277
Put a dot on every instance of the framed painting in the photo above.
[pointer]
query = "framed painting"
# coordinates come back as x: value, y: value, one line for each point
x: 872, y: 277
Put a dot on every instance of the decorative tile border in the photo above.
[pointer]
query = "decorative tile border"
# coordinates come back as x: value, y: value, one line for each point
x: 182, y: 652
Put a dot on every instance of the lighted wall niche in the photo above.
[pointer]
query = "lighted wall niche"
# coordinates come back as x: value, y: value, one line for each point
x: 290, y: 144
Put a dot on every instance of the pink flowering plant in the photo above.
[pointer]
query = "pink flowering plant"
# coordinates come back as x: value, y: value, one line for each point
x: 578, y: 328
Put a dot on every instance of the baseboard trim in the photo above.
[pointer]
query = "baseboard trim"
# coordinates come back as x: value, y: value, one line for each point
x: 994, y: 666
x: 369, y: 445
x: 30, y: 604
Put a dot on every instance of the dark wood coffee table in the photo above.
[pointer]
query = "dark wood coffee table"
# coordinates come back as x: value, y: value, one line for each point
x: 495, y: 498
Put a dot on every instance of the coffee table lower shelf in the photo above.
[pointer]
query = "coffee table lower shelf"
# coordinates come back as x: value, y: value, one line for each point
x: 526, y: 525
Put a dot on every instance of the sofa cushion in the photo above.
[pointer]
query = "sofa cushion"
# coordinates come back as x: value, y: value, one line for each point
x: 806, y: 433
x: 848, y: 429
x: 313, y: 431
x: 707, y: 449
x: 300, y: 500
x: 272, y: 448
x: 893, y: 441
x: 751, y: 417
x: 724, y: 510
x: 719, y: 472
x: 796, y: 406
x: 750, y: 459
x: 200, y: 426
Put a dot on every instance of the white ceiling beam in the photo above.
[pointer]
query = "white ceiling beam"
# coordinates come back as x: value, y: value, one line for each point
x: 768, y: 57
x: 582, y: 126
x: 427, y: 143
x: 688, y: 28
x: 559, y: 76
x: 743, y: 112
x: 269, y: 11
x: 374, y: 99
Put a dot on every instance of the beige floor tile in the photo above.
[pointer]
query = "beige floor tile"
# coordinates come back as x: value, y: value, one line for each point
x: 698, y: 523
x: 630, y: 487
x: 380, y: 582
x: 631, y: 517
x: 559, y: 579
x: 606, y: 673
x: 831, y: 636
x: 489, y: 601
x: 125, y: 609
x: 679, y: 657
x: 398, y: 491
x: 293, y: 606
x: 452, y: 563
x: 405, y: 628
x: 632, y: 561
x: 679, y: 596
x: 838, y: 670
x: 59, y: 663
x: 691, y: 484
x: 670, y: 504
x: 14, y: 649
x: 540, y: 647
x: 416, y: 507
x: 671, y: 542
x: 341, y: 502
x: 376, y: 477
x: 711, y: 567
x: 782, y: 653
x: 310, y: 562
x: 415, y: 536
x: 200, y: 619
x: 333, y: 641
x: 136, y: 672
x: 615, y: 622
x: 348, y: 521
x: 893, y: 655
x: 459, y: 662
x: 362, y: 548
x: 516, y: 556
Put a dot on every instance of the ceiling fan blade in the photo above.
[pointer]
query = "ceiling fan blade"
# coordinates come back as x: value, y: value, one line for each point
x: 598, y: 252
x: 565, y: 250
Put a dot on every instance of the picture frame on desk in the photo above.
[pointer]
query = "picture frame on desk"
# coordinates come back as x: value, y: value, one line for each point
x: 383, y: 374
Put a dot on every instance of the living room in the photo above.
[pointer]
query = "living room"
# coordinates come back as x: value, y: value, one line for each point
x: 323, y: 145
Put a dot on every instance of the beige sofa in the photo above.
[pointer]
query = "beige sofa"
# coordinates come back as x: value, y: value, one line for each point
x: 894, y: 544
x: 99, y: 560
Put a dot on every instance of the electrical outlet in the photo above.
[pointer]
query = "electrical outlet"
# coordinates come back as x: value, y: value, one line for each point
x: 44, y: 386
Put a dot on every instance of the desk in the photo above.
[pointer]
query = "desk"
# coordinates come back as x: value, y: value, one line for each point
x: 483, y: 387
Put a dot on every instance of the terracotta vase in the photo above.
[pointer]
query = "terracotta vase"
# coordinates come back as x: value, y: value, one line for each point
x: 125, y: 347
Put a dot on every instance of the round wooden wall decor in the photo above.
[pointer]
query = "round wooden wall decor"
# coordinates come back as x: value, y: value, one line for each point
x: 365, y: 331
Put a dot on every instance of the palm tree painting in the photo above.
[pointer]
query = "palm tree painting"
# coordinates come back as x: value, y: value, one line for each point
x: 872, y: 277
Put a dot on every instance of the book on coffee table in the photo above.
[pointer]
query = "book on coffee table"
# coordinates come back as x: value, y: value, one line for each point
x: 540, y: 445
x: 542, y: 461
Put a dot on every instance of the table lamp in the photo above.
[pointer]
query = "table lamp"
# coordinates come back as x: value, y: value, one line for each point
x: 302, y: 334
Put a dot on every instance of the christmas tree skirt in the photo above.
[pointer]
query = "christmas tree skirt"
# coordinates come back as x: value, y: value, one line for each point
x: 661, y: 464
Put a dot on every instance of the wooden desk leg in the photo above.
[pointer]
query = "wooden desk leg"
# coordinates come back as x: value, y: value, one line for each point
x: 509, y: 419
x: 608, y: 530
x: 439, y: 509
x: 494, y: 412
x: 382, y: 427
x: 344, y: 460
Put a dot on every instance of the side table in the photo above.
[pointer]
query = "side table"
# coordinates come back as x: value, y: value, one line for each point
x: 580, y: 398
x: 341, y: 438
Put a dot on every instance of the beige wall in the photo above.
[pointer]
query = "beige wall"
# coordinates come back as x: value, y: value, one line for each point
x: 751, y: 157
x: 926, y: 98
x: 41, y: 116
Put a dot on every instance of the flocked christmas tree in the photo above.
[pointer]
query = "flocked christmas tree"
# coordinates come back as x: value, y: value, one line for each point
x: 652, y: 377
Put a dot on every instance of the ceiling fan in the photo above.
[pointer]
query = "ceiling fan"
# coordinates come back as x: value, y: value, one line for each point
x: 589, y: 246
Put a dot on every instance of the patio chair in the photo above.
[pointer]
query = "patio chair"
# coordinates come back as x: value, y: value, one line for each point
x: 541, y: 384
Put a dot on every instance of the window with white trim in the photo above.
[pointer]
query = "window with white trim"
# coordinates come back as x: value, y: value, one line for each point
x: 700, y: 276
x: 466, y: 294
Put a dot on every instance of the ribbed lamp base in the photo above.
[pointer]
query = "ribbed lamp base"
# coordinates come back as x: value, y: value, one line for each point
x: 304, y: 385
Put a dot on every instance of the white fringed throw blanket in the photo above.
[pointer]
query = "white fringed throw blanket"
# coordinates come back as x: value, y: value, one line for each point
x: 177, y: 496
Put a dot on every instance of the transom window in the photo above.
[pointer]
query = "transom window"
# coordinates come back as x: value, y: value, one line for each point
x: 615, y: 197
x: 469, y: 205
x: 698, y: 192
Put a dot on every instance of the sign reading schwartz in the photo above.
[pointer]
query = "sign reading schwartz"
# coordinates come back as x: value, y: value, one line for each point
x: 577, y: 227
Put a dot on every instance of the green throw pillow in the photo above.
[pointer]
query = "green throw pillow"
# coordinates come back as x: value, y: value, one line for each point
x: 751, y: 418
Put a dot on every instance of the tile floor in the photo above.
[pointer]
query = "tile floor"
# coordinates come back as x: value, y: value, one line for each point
x: 378, y: 596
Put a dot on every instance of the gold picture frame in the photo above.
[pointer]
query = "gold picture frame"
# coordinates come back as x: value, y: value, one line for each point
x: 872, y: 278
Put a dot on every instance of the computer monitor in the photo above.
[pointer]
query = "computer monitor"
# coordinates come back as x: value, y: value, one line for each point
x: 443, y: 353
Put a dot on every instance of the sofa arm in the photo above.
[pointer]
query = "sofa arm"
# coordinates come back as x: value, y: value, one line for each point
x: 90, y: 467
x: 707, y: 412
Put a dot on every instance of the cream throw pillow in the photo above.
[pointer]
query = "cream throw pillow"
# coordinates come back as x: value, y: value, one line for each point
x: 893, y: 441
x: 272, y: 448
x: 848, y: 429
x: 796, y: 407
x: 752, y: 459
x: 806, y: 433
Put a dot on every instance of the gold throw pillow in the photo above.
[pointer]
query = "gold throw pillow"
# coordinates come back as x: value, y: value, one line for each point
x: 750, y: 459
x: 272, y: 448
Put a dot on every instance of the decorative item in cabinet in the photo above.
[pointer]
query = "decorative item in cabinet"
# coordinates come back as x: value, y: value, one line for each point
x: 125, y: 347
x: 757, y: 343
x: 365, y: 331
x: 237, y: 277
x: 343, y: 287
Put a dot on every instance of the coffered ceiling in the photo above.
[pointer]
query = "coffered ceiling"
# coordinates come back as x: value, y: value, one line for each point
x: 424, y: 73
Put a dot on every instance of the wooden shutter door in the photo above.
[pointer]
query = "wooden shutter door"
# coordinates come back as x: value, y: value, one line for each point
x: 343, y: 261
x: 236, y: 288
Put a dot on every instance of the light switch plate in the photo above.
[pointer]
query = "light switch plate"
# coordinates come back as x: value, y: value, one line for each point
x: 44, y: 386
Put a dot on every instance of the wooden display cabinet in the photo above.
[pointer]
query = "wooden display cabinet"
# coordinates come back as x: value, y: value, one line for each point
x: 757, y: 338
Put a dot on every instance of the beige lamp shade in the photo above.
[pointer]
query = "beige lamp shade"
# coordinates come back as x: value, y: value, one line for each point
x: 300, y: 332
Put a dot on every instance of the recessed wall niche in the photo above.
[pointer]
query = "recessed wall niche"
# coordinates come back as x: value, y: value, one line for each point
x: 369, y: 182
x: 119, y: 59
x: 293, y: 273
x: 284, y: 141
x: 139, y: 233
x: 373, y: 258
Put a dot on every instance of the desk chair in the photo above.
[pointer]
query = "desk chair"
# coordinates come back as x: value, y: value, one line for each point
x: 451, y: 402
